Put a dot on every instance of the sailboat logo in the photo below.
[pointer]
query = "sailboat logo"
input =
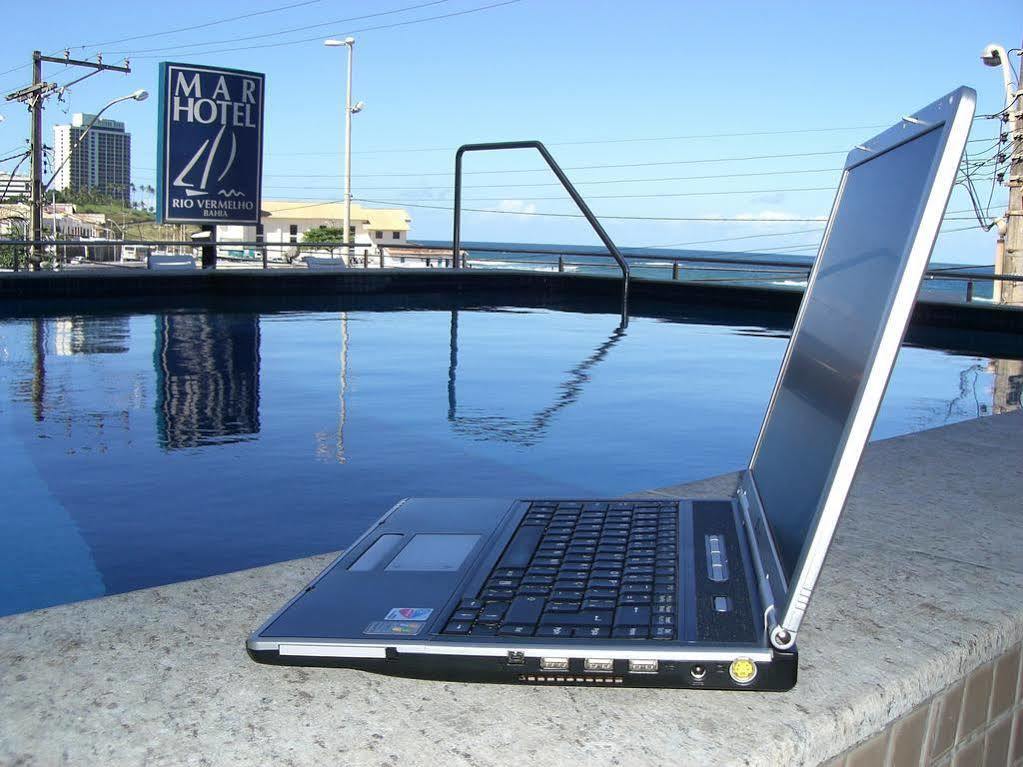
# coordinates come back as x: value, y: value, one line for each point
x: 209, y: 150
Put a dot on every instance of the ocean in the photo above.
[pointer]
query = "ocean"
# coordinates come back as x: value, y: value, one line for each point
x: 786, y: 271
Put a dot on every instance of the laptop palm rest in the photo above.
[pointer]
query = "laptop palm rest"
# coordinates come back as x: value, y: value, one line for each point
x: 397, y: 580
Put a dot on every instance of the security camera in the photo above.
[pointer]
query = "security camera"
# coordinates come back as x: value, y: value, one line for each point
x: 992, y: 55
x: 358, y: 108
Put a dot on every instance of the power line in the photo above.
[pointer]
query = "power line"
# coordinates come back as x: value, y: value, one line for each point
x: 198, y: 26
x: 578, y: 215
x: 351, y: 31
x: 452, y: 149
x: 541, y: 183
x: 636, y: 140
x: 658, y: 163
x: 700, y: 193
x: 280, y: 32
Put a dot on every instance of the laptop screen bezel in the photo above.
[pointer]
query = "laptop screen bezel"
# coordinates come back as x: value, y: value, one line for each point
x: 952, y: 115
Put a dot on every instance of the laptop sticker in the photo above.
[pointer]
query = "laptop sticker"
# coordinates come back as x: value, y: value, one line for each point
x: 408, y: 614
x: 405, y: 628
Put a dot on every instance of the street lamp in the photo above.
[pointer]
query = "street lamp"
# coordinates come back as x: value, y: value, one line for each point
x: 995, y: 55
x: 348, y: 42
x: 139, y: 95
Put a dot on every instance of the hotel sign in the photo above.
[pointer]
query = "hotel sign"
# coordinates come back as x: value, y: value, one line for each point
x: 210, y: 154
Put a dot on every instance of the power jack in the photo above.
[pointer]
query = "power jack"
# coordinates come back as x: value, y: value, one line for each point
x: 697, y: 672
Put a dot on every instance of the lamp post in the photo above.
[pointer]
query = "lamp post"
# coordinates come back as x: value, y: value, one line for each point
x: 349, y: 43
x: 1009, y: 248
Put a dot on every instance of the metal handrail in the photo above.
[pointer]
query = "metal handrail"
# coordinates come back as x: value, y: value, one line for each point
x: 456, y: 234
x: 942, y: 273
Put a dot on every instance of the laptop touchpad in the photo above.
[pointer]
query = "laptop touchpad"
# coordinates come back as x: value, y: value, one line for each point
x: 428, y: 552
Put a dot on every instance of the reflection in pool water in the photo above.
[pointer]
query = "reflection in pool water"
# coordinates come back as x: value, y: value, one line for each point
x: 150, y: 448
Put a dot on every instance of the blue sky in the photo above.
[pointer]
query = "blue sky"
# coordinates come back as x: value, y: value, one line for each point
x: 609, y: 73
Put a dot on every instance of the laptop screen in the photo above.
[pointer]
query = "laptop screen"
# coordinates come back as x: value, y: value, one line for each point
x: 845, y: 310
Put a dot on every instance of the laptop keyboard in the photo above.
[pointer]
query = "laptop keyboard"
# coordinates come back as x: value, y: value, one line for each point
x: 585, y: 570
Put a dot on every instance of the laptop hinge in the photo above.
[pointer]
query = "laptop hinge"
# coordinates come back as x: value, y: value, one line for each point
x: 770, y: 580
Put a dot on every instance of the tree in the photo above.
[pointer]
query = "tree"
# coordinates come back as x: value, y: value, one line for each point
x: 324, y: 234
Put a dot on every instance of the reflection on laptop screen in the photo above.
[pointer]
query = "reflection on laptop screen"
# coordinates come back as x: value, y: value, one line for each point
x: 848, y: 306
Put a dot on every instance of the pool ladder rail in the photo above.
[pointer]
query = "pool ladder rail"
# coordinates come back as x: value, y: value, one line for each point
x: 456, y: 237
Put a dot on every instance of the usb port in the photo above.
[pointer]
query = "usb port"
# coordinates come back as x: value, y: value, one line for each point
x: 642, y: 667
x: 554, y: 664
x: 605, y: 665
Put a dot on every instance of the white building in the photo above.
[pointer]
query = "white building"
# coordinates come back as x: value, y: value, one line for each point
x: 14, y: 187
x: 102, y: 161
x: 285, y: 222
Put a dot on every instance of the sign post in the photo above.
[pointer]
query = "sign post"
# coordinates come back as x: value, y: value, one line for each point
x: 210, y: 154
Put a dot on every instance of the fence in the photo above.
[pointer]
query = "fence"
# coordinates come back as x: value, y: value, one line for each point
x: 73, y: 255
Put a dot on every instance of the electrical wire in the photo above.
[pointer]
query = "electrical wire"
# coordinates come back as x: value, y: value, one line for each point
x: 278, y: 33
x: 393, y: 25
x: 10, y: 178
x: 204, y: 25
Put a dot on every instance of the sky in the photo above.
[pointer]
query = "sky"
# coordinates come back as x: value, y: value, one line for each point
x: 653, y: 108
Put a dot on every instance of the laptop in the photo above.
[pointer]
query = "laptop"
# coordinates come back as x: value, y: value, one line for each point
x: 659, y: 592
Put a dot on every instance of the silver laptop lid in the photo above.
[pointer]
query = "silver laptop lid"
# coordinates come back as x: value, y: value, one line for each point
x: 851, y: 322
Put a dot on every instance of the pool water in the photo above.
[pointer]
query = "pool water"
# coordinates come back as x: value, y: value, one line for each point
x: 144, y: 449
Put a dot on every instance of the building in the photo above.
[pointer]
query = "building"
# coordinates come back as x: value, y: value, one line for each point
x: 61, y: 222
x: 14, y: 187
x: 207, y: 379
x: 283, y: 223
x: 101, y: 161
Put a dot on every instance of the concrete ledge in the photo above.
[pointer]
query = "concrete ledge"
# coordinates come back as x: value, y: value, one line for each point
x: 924, y: 584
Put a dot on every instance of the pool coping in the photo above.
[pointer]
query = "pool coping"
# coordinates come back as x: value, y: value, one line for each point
x: 161, y: 676
x: 135, y: 286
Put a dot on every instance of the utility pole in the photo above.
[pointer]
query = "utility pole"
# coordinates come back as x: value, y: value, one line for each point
x: 1012, y: 262
x: 35, y: 96
x: 35, y: 148
x: 1009, y: 248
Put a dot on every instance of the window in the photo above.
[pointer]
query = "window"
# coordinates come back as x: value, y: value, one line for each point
x: 379, y: 235
x: 351, y: 231
x: 395, y: 235
x: 293, y: 233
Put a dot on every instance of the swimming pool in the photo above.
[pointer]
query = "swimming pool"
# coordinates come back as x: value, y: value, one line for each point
x: 146, y: 448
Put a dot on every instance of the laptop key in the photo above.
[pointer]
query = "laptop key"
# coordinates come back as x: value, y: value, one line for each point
x: 592, y: 632
x: 498, y: 593
x: 634, y: 599
x: 563, y: 607
x: 457, y: 627
x: 470, y: 604
x: 630, y: 632
x: 567, y: 594
x: 533, y: 591
x: 521, y: 547
x: 598, y: 604
x: 585, y: 618
x: 508, y: 573
x: 554, y: 630
x: 632, y: 615
x: 464, y: 615
x: 518, y: 630
x: 570, y: 585
x: 484, y: 629
x: 492, y: 613
x: 524, y: 609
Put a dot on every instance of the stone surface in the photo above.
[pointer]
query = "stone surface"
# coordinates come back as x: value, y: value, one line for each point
x: 923, y: 586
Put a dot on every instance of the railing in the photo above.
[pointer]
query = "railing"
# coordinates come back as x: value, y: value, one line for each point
x: 456, y: 233
x: 690, y: 268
